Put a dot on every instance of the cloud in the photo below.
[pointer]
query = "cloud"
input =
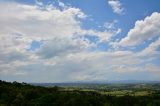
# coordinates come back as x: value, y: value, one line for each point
x: 27, y: 23
x: 110, y: 25
x: 152, y: 68
x: 65, y: 54
x: 82, y: 66
x: 45, y: 23
x: 152, y: 49
x: 58, y: 47
x: 143, y: 30
x: 116, y: 6
x: 38, y: 2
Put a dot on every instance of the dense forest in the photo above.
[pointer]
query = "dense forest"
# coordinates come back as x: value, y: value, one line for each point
x: 23, y: 94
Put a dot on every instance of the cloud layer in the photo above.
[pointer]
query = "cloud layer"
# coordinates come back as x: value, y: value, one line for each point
x: 66, y: 51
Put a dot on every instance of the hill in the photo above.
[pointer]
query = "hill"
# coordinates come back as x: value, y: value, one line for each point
x: 23, y: 94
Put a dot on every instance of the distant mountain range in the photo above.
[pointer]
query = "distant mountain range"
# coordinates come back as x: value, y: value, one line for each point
x: 79, y: 83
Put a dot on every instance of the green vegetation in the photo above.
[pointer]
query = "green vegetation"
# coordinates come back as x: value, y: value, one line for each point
x: 22, y: 94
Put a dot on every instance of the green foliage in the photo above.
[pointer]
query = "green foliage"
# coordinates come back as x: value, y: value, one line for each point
x: 22, y: 94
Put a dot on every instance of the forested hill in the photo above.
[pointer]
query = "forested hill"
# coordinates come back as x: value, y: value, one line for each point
x: 22, y: 94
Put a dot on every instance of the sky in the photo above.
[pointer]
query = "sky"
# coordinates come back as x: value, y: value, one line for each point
x: 79, y: 40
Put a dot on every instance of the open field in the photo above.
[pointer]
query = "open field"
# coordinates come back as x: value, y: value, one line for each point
x: 114, y: 89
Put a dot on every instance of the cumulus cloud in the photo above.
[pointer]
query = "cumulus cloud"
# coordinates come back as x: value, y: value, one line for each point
x: 116, y: 6
x: 143, y: 30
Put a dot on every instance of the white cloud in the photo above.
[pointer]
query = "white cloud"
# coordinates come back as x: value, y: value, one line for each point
x: 143, y: 30
x: 38, y: 2
x: 116, y: 6
x: 58, y: 47
x: 31, y: 22
x: 152, y: 68
x: 83, y: 66
x: 61, y: 4
x: 152, y: 49
x: 80, y: 66
x: 45, y: 24
x: 110, y: 25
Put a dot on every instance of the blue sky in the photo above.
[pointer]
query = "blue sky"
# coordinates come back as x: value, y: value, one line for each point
x: 79, y: 40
